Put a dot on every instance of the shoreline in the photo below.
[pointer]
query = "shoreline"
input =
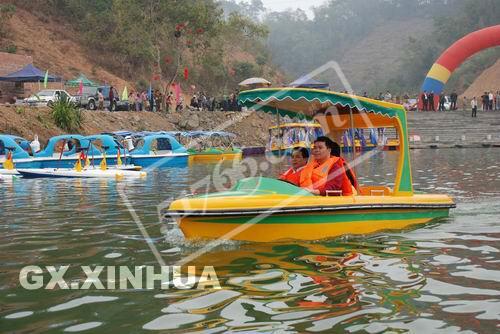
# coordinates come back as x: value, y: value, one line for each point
x: 435, y: 130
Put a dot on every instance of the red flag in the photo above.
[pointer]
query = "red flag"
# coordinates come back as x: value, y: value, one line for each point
x: 9, y: 156
x: 186, y: 73
x: 82, y: 156
x: 80, y: 88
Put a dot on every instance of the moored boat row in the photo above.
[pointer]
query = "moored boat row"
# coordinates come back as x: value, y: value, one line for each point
x: 138, y: 149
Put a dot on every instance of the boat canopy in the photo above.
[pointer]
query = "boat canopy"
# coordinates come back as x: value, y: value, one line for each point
x: 51, y: 149
x: 9, y: 143
x: 296, y: 125
x: 337, y: 112
x: 158, y: 142
x: 107, y: 142
x: 207, y: 134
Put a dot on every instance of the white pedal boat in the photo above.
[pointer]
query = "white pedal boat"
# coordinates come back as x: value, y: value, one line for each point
x: 117, y: 173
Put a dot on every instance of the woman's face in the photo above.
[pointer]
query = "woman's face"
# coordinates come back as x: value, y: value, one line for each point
x: 320, y: 152
x: 298, y: 160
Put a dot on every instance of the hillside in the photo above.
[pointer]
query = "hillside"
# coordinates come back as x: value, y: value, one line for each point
x: 369, y: 63
x: 53, y: 46
x: 215, y: 63
x: 489, y: 80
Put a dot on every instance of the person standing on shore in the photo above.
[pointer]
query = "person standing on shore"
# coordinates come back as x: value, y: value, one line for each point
x: 138, y: 106
x: 473, y: 104
x: 498, y: 100
x: 100, y: 99
x: 432, y: 107
x: 441, y: 102
x: 464, y: 103
x: 425, y: 101
x: 131, y: 101
x: 484, y: 101
x: 111, y: 98
x: 168, y: 99
x: 453, y: 98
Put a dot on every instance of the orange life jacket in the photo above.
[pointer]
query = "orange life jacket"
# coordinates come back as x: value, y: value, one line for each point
x: 292, y: 176
x: 316, y: 175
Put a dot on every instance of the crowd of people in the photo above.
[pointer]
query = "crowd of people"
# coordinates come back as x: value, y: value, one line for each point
x: 200, y: 101
x: 156, y: 101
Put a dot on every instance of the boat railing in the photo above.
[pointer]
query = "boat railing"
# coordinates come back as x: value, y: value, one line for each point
x: 375, y: 191
x: 333, y: 192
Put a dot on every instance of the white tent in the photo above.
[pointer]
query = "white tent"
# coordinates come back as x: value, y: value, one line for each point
x: 254, y: 81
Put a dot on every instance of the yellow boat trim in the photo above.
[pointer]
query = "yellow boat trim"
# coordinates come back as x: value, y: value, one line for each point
x: 272, y: 232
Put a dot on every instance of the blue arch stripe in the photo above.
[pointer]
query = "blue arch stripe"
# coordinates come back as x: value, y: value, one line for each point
x: 431, y: 84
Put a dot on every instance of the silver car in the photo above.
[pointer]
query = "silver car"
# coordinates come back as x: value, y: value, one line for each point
x: 47, y: 97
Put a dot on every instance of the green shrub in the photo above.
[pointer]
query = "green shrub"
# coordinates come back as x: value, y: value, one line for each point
x: 12, y: 48
x: 66, y: 115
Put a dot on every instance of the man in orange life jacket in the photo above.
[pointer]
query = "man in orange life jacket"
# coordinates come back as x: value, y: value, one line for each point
x: 327, y: 171
x: 300, y: 155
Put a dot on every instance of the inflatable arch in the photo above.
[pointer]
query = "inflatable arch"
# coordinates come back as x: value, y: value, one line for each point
x: 456, y: 54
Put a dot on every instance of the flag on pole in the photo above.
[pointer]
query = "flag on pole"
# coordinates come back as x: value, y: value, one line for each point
x: 45, y: 79
x: 78, y: 165
x: 80, y: 88
x: 103, y: 164
x: 125, y: 94
x: 8, y: 164
x: 118, y: 158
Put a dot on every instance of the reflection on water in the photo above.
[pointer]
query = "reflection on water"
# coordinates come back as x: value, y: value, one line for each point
x: 442, y: 277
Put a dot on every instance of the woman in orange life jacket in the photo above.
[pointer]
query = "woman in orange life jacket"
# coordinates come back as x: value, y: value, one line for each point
x: 300, y: 155
x: 327, y: 170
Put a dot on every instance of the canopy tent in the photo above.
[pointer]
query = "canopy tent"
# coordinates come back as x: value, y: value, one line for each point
x: 337, y: 112
x: 255, y: 82
x: 29, y: 73
x: 83, y: 79
x: 305, y: 82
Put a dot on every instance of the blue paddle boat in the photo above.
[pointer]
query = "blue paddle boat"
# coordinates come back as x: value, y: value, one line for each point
x: 20, y: 157
x: 63, y: 151
x: 110, y: 146
x: 160, y: 148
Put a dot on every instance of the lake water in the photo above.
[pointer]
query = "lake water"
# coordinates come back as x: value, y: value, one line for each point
x: 442, y: 277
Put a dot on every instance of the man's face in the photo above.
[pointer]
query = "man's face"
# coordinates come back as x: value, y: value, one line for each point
x: 298, y: 160
x: 320, y: 151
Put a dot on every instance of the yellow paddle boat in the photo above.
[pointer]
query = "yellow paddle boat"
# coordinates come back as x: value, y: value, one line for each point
x: 285, y: 137
x: 263, y: 209
x: 211, y: 146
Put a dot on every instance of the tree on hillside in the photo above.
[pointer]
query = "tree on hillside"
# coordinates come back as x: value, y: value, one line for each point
x: 154, y: 40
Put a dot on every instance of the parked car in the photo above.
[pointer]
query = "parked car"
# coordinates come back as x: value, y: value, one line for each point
x: 90, y: 99
x: 87, y: 93
x: 47, y: 97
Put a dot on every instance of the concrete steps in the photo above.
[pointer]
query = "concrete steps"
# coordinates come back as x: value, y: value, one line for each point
x: 456, y: 128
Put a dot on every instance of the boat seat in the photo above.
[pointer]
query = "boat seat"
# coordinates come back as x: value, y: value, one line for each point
x: 375, y: 191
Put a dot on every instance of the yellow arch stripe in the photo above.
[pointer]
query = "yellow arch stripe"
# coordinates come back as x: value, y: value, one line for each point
x: 439, y: 72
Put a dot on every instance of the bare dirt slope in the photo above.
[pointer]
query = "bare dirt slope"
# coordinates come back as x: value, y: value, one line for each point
x: 26, y: 122
x: 487, y: 81
x: 54, y: 47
